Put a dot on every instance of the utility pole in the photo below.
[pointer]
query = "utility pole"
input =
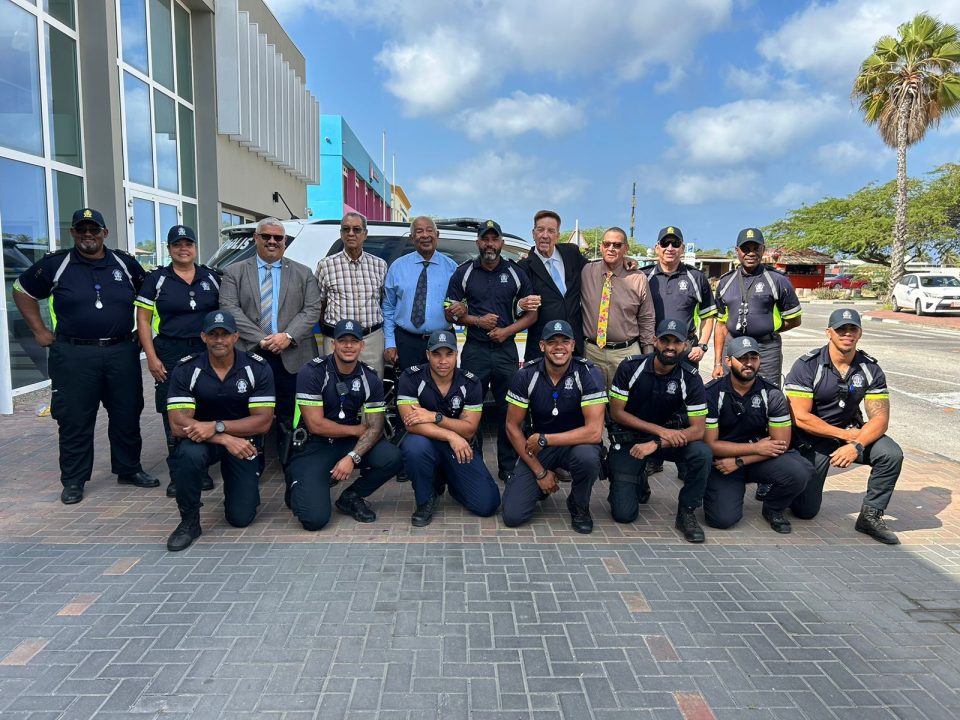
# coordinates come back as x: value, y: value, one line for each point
x: 633, y: 209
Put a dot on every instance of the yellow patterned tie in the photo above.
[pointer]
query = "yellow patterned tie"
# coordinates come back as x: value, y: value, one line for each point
x: 604, y: 310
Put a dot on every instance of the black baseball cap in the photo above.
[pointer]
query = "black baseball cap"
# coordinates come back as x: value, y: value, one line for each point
x: 442, y: 339
x: 348, y: 327
x: 742, y: 345
x: 750, y: 235
x: 87, y: 215
x: 181, y: 232
x: 843, y: 316
x: 219, y: 319
x: 668, y: 231
x: 676, y: 328
x: 557, y: 327
x: 489, y: 225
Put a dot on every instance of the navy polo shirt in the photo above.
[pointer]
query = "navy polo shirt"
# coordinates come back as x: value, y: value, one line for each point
x: 416, y: 387
x: 73, y: 283
x: 746, y: 418
x: 771, y: 299
x: 836, y: 399
x: 657, y: 398
x: 489, y: 291
x: 167, y: 296
x: 581, y: 385
x: 194, y: 385
x: 320, y: 384
x: 683, y: 295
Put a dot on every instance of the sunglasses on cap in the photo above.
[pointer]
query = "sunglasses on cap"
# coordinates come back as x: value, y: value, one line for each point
x: 671, y: 242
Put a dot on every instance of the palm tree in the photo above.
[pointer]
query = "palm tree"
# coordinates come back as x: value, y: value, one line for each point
x: 906, y: 85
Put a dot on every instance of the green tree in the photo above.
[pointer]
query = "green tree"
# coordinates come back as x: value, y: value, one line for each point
x: 906, y: 85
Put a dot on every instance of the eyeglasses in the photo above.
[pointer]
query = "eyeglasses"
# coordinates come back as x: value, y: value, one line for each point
x: 614, y: 245
x: 88, y: 229
x: 667, y: 242
x: 267, y: 237
x: 348, y: 229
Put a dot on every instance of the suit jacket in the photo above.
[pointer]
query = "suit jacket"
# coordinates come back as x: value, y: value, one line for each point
x: 553, y: 305
x: 299, y: 308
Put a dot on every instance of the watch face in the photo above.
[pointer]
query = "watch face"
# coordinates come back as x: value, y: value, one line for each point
x: 219, y: 426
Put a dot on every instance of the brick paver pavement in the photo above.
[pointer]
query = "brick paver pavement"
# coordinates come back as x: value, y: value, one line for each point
x: 465, y: 618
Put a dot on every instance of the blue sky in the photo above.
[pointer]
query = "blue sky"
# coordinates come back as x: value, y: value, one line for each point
x: 726, y: 113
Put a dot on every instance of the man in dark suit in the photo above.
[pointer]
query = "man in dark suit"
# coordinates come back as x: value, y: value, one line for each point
x: 554, y: 271
x: 276, y: 303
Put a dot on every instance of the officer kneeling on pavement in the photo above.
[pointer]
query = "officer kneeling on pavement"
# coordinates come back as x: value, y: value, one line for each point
x: 648, y: 391
x: 441, y: 405
x: 748, y: 430
x: 565, y: 397
x: 330, y: 439
x: 825, y: 388
x: 219, y: 403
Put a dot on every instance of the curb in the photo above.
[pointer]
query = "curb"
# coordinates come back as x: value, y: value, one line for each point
x: 907, y: 323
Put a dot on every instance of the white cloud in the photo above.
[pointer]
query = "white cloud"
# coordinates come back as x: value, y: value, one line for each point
x: 845, y: 156
x: 748, y: 130
x: 692, y: 188
x: 435, y: 54
x: 950, y: 127
x: 493, y: 183
x: 521, y: 113
x: 793, y: 194
x: 748, y: 82
x: 829, y: 41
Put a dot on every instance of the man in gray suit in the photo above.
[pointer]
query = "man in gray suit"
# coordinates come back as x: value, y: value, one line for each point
x: 276, y: 303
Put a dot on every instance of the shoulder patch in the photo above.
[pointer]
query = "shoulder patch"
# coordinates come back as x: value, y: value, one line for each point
x: 810, y: 355
x: 187, y: 358
x: 55, y: 253
x: 689, y: 368
x: 465, y: 263
x: 412, y: 369
x: 468, y: 374
x: 632, y: 357
x: 713, y: 382
x: 869, y: 358
x: 257, y: 358
x: 318, y: 360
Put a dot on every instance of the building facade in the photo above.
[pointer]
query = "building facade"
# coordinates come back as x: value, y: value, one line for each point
x: 400, y: 207
x: 350, y: 179
x: 141, y: 109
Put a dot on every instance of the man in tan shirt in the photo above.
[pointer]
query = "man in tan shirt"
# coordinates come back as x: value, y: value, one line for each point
x: 617, y: 322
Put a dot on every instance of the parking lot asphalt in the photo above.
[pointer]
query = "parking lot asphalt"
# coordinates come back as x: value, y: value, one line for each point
x: 466, y: 618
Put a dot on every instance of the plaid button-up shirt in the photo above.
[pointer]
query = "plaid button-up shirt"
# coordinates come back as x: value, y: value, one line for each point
x: 352, y: 289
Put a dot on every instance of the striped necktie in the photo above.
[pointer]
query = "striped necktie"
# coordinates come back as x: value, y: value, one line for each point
x: 266, y: 301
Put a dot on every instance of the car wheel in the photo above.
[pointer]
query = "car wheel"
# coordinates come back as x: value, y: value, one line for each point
x: 919, y: 307
x: 894, y: 304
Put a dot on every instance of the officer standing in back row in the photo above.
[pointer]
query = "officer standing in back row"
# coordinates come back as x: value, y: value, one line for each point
x: 94, y: 356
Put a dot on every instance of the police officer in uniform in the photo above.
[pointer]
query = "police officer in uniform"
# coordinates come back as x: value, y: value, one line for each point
x: 481, y: 296
x: 748, y: 430
x: 218, y: 403
x: 172, y: 303
x: 564, y: 397
x: 758, y: 301
x: 440, y: 405
x: 331, y: 439
x: 94, y: 356
x: 648, y: 391
x: 825, y: 388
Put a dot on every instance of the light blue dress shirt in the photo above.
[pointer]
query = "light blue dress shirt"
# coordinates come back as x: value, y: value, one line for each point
x: 401, y: 286
x: 275, y: 270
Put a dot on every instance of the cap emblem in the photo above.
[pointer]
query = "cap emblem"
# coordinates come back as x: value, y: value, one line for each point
x: 87, y: 213
x: 671, y: 325
x: 746, y: 342
x: 670, y: 230
x: 749, y: 233
x: 218, y: 317
x: 181, y: 231
x: 489, y: 223
x: 442, y: 337
x: 349, y: 325
x: 847, y: 315
x: 557, y: 327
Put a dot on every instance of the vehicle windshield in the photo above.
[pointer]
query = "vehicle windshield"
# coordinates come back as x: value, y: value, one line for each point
x: 938, y: 281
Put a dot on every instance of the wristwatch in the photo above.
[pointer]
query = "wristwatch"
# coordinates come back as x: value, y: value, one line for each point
x: 703, y: 346
x: 219, y: 427
x: 293, y: 343
x: 542, y: 441
x: 658, y: 441
x: 355, y: 456
x: 438, y: 418
x: 738, y: 461
x: 858, y: 446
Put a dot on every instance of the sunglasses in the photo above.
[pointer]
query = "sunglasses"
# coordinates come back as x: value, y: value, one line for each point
x: 668, y: 242
x: 355, y: 229
x: 267, y: 237
x: 614, y: 245
x: 88, y: 229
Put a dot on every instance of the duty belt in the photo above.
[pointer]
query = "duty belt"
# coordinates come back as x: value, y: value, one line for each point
x: 100, y: 342
x: 614, y: 346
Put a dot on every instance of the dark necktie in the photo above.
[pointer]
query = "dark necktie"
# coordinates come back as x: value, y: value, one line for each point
x: 419, y: 313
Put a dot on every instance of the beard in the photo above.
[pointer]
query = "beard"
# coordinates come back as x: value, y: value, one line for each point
x: 490, y: 255
x: 667, y: 359
x: 741, y: 376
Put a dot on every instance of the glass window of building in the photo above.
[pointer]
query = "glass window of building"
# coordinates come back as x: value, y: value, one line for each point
x: 188, y: 167
x: 136, y: 95
x: 20, y: 123
x: 165, y: 138
x: 133, y: 31
x: 161, y: 42
x: 61, y: 10
x: 67, y: 197
x: 63, y: 98
x: 181, y: 21
x: 23, y: 213
x: 190, y: 215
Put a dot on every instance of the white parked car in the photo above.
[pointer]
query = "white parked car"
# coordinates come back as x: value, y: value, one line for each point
x: 927, y: 293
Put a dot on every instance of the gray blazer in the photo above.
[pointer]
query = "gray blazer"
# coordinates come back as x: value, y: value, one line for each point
x: 299, y: 307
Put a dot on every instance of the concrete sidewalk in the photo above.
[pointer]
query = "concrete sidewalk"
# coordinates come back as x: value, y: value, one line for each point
x: 466, y: 618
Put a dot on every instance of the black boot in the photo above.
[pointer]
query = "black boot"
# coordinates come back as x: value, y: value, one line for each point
x: 580, y: 519
x: 870, y: 522
x: 688, y: 525
x: 187, y: 531
x: 207, y: 483
x: 423, y: 515
x: 172, y: 489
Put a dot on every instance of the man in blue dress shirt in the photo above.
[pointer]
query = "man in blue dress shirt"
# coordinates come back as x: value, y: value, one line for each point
x: 414, y: 291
